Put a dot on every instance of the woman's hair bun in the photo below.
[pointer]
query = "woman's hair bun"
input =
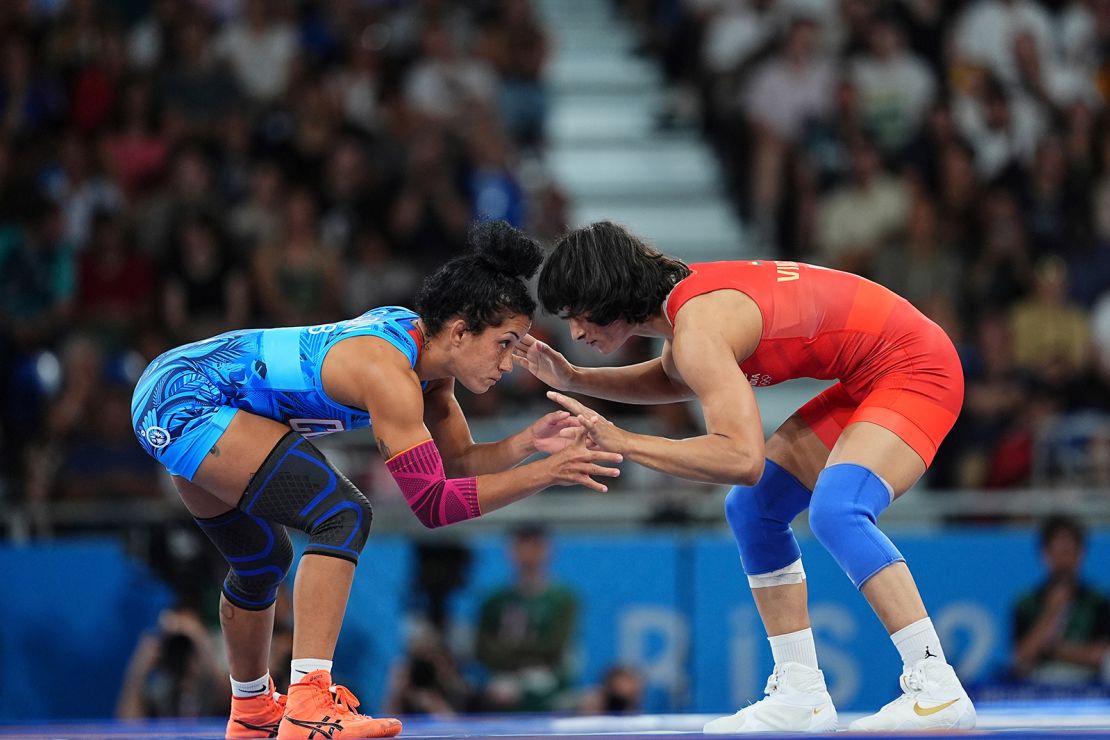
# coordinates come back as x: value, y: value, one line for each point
x: 505, y: 249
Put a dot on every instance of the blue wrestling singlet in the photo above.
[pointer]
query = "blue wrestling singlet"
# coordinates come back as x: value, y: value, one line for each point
x: 187, y: 397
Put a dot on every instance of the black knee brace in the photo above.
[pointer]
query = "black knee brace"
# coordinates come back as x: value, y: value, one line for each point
x: 299, y: 488
x: 259, y: 553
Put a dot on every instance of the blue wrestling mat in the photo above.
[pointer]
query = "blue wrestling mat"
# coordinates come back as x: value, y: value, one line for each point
x: 1010, y: 720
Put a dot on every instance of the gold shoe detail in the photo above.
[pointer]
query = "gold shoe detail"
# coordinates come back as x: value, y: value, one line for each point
x: 921, y: 711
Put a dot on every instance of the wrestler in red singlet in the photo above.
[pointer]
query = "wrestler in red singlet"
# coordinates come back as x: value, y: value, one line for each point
x: 896, y: 368
x: 844, y: 457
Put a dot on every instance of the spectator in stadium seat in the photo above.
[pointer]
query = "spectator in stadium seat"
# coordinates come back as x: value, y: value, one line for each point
x: 377, y: 276
x: 298, y: 279
x: 205, y: 290
x: 856, y: 220
x: 97, y: 82
x: 427, y: 680
x: 430, y: 213
x: 920, y: 266
x: 516, y: 45
x: 29, y: 98
x: 80, y: 190
x: 261, y: 50
x: 895, y: 86
x: 791, y: 88
x: 444, y: 83
x: 102, y: 461
x: 621, y: 692
x: 986, y: 31
x: 259, y: 218
x: 1100, y: 193
x: 174, y: 671
x: 357, y: 86
x: 38, y: 277
x: 115, y: 283
x: 959, y: 194
x: 493, y: 186
x: 1062, y: 627
x: 525, y: 631
x: 70, y: 408
x: 191, y: 190
x: 993, y: 399
x: 999, y: 269
x: 1051, y: 336
x: 135, y: 150
x: 197, y: 90
x: 1043, y: 79
x: 1052, y: 202
x: 1004, y: 130
x: 356, y: 196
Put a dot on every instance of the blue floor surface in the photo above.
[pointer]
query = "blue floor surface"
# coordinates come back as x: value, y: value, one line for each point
x: 1009, y: 720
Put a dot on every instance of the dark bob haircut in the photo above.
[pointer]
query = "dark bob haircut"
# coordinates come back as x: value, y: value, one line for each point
x: 603, y: 273
x: 484, y: 286
x: 1058, y: 524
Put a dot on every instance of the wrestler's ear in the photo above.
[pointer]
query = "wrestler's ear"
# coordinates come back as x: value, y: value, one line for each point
x: 457, y: 331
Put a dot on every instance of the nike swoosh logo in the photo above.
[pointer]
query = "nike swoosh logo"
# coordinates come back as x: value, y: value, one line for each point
x: 818, y: 710
x: 921, y: 711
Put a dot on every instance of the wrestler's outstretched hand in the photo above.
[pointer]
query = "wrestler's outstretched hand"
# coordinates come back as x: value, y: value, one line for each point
x: 602, y: 433
x: 545, y: 363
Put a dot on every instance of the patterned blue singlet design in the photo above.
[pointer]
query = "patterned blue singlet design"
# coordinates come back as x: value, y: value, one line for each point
x: 187, y: 397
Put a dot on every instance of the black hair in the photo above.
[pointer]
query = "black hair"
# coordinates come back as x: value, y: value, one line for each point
x: 1058, y: 524
x: 486, y: 285
x: 602, y: 273
x: 529, y: 531
x: 177, y: 649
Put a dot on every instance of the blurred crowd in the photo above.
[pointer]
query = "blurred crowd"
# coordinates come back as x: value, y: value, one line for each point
x: 1061, y: 627
x: 955, y: 151
x: 172, y: 169
x: 519, y: 654
x: 522, y: 653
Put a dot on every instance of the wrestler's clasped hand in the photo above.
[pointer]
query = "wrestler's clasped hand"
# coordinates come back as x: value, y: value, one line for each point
x: 602, y: 433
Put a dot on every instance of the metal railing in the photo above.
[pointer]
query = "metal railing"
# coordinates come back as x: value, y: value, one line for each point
x: 627, y: 511
x: 639, y: 499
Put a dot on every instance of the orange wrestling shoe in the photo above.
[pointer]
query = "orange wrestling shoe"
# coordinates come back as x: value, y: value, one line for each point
x: 256, y: 716
x: 319, y: 711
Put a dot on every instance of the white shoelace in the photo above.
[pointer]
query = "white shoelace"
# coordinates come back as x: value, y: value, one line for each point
x: 914, y: 681
x: 772, y: 683
x: 912, y: 684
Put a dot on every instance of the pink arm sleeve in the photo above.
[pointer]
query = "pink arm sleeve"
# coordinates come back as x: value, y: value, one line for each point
x: 434, y: 499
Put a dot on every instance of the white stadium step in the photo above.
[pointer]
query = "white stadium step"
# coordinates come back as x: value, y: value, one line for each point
x: 698, y: 231
x: 606, y: 149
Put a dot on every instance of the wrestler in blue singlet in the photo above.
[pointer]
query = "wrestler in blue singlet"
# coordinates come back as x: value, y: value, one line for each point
x: 188, y: 396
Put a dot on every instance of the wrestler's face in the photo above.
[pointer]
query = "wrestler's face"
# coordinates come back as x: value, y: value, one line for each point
x: 604, y: 338
x: 1063, y: 554
x: 481, y: 358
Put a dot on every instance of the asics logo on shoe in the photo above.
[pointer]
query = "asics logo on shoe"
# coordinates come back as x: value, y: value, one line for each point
x: 325, y: 728
x: 272, y: 728
x: 921, y: 711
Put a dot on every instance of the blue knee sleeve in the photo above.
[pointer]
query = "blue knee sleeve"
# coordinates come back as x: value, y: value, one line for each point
x: 846, y: 502
x: 259, y: 553
x: 760, y: 517
x: 298, y: 487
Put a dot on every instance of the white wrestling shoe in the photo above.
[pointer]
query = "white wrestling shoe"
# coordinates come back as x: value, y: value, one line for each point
x: 934, y: 699
x: 797, y: 701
